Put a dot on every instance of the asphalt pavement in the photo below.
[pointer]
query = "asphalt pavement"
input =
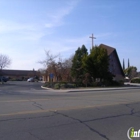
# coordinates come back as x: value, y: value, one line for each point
x: 31, y: 113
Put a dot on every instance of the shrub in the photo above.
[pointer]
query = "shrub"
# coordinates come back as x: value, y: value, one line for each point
x: 69, y: 85
x: 113, y: 83
x: 12, y: 79
x: 135, y: 80
x: 15, y: 79
x: 97, y: 84
x: 57, y: 86
x: 121, y: 82
x: 62, y: 86
x: 47, y: 84
x: 117, y: 83
x: 107, y: 83
x: 79, y: 84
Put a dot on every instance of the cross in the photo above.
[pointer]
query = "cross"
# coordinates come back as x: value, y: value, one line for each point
x: 92, y: 37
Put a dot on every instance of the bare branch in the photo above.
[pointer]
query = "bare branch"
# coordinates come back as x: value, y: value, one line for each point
x: 5, y: 61
x: 49, y: 59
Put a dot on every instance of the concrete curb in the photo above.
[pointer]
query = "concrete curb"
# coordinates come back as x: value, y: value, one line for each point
x: 128, y: 86
x: 46, y: 88
x: 91, y: 89
x: 103, y: 89
x: 132, y: 84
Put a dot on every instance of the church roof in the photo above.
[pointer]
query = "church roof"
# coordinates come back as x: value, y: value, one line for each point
x: 108, y: 48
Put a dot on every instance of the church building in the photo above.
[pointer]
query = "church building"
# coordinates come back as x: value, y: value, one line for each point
x: 114, y: 63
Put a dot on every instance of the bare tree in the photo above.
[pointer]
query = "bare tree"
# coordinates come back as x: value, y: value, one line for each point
x: 49, y: 59
x: 5, y: 61
x: 50, y: 63
x: 56, y: 65
x: 133, y: 72
x: 62, y: 69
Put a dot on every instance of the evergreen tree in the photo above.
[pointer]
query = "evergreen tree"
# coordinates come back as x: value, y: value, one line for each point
x: 77, y: 71
x: 97, y: 63
x: 128, y: 63
x: 123, y: 65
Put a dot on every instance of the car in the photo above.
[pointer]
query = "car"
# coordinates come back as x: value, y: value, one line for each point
x: 30, y: 79
x: 3, y: 79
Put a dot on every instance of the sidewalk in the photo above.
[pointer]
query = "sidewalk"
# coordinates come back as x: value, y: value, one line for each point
x: 131, y: 84
x: 128, y: 86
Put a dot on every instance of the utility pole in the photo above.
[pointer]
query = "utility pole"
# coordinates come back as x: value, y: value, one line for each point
x: 92, y: 37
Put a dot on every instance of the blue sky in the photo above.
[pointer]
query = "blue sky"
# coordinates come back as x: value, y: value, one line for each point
x: 28, y: 27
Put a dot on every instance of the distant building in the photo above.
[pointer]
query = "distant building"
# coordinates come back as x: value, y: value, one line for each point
x: 19, y: 74
x: 114, y: 63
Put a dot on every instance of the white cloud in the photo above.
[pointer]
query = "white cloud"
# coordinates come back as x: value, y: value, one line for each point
x: 49, y: 25
x: 56, y: 17
x: 65, y: 46
x: 15, y: 31
x: 9, y: 26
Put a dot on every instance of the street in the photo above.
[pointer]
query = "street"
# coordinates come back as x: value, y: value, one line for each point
x: 31, y: 113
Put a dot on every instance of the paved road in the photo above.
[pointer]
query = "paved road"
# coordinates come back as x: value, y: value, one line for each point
x: 31, y: 113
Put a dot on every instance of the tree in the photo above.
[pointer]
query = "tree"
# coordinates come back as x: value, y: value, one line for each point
x: 65, y: 69
x: 97, y: 63
x: 5, y: 61
x: 87, y: 79
x: 131, y: 72
x: 77, y: 70
x: 123, y: 65
x: 128, y: 63
x: 49, y: 60
x: 58, y: 67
